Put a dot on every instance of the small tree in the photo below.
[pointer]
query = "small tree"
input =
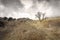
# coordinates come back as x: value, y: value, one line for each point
x: 38, y: 15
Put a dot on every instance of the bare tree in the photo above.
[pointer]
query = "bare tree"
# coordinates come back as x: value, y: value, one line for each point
x: 43, y: 16
x: 38, y: 15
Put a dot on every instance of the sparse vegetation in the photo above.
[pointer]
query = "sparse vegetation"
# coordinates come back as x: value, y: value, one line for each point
x: 48, y: 29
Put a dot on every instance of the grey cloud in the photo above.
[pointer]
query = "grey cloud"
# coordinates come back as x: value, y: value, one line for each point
x: 54, y: 4
x: 55, y: 7
x: 43, y: 0
x: 7, y: 7
x: 12, y: 3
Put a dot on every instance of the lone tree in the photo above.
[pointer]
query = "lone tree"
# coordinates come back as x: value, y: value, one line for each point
x: 38, y: 15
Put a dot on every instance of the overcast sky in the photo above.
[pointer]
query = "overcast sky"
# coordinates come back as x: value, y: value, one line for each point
x: 28, y: 8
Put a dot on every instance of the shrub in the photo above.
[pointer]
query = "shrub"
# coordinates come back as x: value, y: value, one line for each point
x: 10, y: 19
x: 5, y: 18
x: 2, y: 24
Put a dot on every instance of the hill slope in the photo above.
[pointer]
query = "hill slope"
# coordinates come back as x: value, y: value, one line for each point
x: 30, y: 30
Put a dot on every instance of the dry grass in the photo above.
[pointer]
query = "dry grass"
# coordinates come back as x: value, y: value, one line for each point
x: 31, y: 30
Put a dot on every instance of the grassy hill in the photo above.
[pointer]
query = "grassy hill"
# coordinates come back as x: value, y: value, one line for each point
x: 48, y: 29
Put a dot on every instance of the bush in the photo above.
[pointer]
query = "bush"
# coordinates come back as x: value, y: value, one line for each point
x: 10, y: 19
x: 5, y: 18
x: 2, y: 24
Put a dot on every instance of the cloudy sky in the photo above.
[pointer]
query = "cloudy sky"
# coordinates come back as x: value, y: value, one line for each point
x: 28, y: 8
